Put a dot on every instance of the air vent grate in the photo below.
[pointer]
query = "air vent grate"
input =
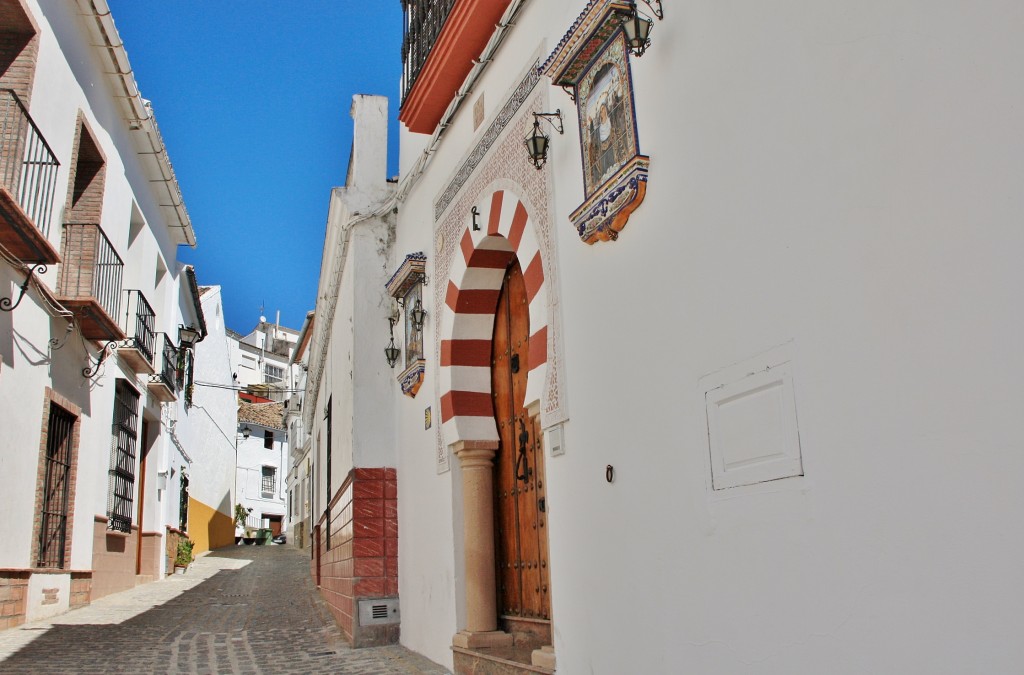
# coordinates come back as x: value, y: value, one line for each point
x: 378, y: 611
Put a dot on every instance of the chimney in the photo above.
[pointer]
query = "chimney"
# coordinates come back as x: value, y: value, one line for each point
x: 368, y: 163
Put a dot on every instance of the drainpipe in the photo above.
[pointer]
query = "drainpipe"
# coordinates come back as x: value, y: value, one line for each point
x: 407, y: 183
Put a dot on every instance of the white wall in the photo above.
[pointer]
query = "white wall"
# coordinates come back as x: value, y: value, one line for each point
x: 252, y: 457
x: 844, y: 182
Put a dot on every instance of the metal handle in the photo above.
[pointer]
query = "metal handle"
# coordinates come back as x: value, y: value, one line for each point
x: 521, y: 460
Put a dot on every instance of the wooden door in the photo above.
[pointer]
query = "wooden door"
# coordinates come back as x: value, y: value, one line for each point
x: 521, y: 545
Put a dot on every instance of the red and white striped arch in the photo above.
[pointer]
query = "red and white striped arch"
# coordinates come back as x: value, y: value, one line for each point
x: 467, y: 322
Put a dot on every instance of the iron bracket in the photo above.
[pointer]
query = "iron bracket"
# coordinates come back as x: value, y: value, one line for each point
x: 6, y: 305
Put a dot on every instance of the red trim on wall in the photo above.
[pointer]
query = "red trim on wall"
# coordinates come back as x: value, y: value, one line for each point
x: 463, y: 38
x: 466, y: 353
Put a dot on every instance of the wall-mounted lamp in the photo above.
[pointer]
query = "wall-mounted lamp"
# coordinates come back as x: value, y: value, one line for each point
x: 637, y: 26
x: 391, y: 352
x: 475, y: 212
x: 418, y: 314
x: 537, y: 142
x: 246, y: 431
x: 187, y: 336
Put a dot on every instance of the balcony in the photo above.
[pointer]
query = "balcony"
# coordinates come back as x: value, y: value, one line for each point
x: 28, y: 181
x: 139, y: 325
x: 90, y: 281
x: 442, y: 39
x: 164, y: 384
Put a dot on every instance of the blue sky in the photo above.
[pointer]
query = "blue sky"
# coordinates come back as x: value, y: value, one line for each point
x: 252, y: 99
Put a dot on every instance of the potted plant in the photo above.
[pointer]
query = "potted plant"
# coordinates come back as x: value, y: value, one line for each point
x: 184, y: 556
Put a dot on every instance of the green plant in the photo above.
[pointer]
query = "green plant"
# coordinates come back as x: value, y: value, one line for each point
x: 241, y: 513
x: 184, y: 556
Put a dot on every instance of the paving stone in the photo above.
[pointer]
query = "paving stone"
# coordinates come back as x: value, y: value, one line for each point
x: 242, y: 609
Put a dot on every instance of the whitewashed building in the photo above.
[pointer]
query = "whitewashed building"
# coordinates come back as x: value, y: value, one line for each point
x: 208, y: 433
x: 262, y: 358
x: 300, y: 443
x: 727, y: 382
x: 262, y: 464
x: 98, y: 318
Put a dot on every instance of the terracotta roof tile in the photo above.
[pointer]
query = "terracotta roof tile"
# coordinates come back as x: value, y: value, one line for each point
x: 269, y: 415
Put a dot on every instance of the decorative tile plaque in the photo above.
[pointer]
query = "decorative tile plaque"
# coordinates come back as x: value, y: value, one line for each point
x: 592, y: 61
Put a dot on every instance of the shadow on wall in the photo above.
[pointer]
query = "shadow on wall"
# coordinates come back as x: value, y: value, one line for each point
x: 210, y: 528
x: 8, y: 289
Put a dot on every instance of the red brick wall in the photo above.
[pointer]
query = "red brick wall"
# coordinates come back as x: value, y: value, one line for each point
x: 19, y: 48
x: 362, y: 559
x: 81, y: 589
x: 13, y: 597
x: 113, y: 559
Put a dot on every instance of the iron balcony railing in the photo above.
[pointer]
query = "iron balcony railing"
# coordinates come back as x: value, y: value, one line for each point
x: 92, y: 268
x: 140, y: 323
x: 169, y: 364
x: 28, y: 167
x: 422, y: 24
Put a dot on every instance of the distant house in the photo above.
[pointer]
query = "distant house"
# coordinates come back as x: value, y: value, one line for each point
x: 262, y: 464
x: 299, y: 481
x: 261, y: 359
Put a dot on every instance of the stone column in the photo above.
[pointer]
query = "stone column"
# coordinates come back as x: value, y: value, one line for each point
x: 477, y: 460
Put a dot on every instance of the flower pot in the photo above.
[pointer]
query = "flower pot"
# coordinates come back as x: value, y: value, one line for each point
x: 180, y: 569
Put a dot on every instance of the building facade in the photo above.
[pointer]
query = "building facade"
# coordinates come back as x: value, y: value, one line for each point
x: 98, y: 318
x: 723, y: 381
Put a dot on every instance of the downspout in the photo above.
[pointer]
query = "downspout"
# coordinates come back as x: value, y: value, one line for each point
x: 404, y: 187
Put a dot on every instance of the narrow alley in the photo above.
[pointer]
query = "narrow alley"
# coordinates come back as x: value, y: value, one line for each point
x: 245, y: 609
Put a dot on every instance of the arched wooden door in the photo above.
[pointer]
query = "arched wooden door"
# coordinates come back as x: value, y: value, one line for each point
x: 521, y: 542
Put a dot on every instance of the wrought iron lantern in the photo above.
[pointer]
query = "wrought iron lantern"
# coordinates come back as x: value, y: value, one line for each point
x: 637, y: 27
x: 537, y: 142
x: 391, y: 352
x: 187, y: 336
x: 246, y: 431
x: 418, y: 314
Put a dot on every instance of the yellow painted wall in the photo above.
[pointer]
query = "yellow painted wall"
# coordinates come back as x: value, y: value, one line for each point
x: 208, y: 527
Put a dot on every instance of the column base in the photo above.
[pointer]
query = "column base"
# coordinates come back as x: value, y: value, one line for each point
x: 476, y: 640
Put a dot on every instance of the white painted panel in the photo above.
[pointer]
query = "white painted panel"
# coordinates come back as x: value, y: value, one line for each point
x: 752, y: 431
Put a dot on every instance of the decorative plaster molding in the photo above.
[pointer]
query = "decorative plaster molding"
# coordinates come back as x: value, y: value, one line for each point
x: 498, y: 124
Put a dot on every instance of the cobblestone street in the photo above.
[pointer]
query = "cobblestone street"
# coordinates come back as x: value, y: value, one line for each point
x: 246, y: 609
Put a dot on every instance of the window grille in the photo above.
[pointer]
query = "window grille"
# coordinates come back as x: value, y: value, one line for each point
x: 122, y: 457
x: 56, y: 484
x: 183, y: 504
x: 269, y: 481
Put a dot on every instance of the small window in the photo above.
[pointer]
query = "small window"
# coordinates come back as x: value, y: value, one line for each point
x: 272, y: 373
x: 268, y: 439
x: 269, y: 481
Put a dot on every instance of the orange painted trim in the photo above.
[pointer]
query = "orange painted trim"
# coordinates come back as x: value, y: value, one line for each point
x: 533, y: 277
x: 463, y: 38
x: 466, y: 353
x: 539, y: 348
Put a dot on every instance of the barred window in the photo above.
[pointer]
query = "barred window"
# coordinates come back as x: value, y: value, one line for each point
x: 269, y: 481
x: 183, y: 504
x: 125, y: 433
x: 56, y: 485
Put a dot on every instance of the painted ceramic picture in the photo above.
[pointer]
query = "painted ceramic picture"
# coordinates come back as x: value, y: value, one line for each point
x: 605, y: 107
x: 413, y: 337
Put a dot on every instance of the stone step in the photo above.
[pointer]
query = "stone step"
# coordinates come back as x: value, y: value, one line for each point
x: 514, y: 660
